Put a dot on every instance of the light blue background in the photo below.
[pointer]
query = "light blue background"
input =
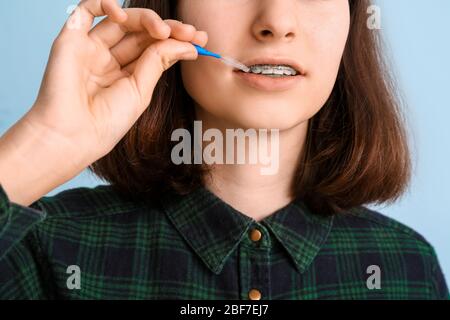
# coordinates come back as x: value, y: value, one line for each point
x: 417, y: 34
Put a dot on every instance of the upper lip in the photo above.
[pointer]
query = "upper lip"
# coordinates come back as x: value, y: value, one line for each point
x: 272, y: 60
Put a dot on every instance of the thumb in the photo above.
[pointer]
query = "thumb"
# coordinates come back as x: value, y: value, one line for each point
x: 156, y: 59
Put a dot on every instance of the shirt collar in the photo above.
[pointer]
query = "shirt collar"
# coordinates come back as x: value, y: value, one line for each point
x: 213, y: 229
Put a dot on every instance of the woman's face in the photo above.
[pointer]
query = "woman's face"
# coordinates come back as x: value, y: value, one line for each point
x: 312, y: 33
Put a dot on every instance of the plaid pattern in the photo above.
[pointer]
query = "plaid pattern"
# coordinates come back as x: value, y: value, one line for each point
x: 198, y: 247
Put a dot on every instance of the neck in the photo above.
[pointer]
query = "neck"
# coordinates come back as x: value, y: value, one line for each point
x: 243, y: 186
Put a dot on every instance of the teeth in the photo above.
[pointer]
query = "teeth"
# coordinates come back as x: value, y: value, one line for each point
x: 278, y: 70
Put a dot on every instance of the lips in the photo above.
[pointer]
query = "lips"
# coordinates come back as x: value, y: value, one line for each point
x: 266, y: 83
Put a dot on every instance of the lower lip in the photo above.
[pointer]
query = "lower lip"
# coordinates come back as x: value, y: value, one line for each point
x: 266, y: 83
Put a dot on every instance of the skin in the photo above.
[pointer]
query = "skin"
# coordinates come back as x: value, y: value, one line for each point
x: 314, y: 33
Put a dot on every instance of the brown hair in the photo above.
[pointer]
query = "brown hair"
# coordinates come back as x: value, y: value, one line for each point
x: 356, y: 150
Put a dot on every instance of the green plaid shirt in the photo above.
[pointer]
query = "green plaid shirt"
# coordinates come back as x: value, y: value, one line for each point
x: 92, y: 243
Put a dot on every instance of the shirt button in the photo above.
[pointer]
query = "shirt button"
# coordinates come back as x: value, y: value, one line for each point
x: 254, y: 294
x: 255, y: 235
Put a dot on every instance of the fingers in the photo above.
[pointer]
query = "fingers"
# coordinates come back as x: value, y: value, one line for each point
x: 134, y: 44
x: 131, y: 47
x: 130, y: 68
x: 186, y: 32
x: 147, y: 70
x: 84, y: 14
x: 139, y: 19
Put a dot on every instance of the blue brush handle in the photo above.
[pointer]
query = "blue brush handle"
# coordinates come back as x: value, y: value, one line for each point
x: 203, y: 52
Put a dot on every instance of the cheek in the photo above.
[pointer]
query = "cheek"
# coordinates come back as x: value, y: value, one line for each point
x: 325, y: 50
x: 203, y: 82
x: 328, y: 47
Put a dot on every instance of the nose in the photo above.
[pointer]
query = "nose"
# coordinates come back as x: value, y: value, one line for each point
x: 276, y: 20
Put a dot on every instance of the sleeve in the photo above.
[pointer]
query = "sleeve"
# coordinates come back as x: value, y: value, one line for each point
x: 22, y: 267
x: 439, y: 284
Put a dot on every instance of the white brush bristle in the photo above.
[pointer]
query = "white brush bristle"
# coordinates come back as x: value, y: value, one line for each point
x: 231, y: 62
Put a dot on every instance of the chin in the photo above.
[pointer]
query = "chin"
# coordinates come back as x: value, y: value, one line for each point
x: 264, y: 121
x: 267, y: 117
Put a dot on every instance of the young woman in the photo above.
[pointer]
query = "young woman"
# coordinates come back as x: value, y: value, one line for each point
x: 112, y: 98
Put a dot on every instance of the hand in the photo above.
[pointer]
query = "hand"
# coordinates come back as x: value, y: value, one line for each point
x: 99, y: 81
